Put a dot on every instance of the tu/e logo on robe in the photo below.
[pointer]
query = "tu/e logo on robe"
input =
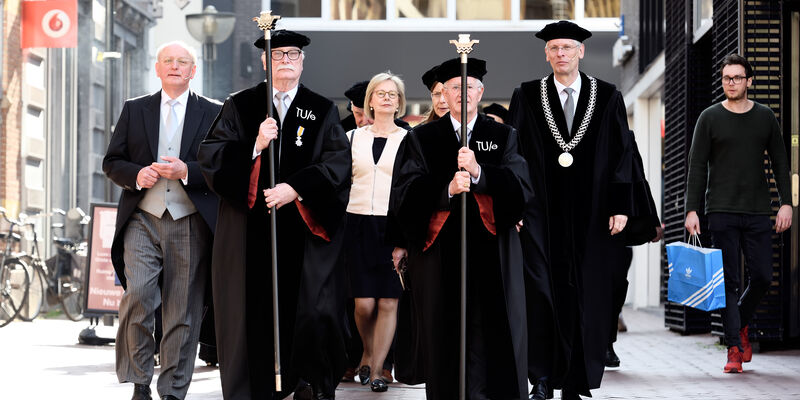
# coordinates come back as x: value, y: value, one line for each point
x: 305, y: 114
x: 486, y: 146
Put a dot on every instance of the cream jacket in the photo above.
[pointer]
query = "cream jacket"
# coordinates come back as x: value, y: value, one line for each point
x: 372, y: 183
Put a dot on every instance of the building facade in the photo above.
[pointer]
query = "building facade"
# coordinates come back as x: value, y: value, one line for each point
x: 639, y: 54
x: 699, y: 34
x: 53, y: 129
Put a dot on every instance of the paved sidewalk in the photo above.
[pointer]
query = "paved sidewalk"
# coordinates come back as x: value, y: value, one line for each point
x: 41, y: 359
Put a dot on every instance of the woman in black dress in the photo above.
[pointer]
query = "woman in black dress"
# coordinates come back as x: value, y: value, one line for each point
x: 373, y: 281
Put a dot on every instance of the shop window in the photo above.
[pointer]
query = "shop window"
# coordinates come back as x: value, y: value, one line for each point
x: 483, y: 9
x: 601, y: 9
x: 547, y: 9
x: 297, y: 8
x: 357, y: 10
x: 421, y: 8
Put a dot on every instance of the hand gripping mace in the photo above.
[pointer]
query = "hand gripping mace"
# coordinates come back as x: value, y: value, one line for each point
x: 464, y: 47
x: 266, y: 22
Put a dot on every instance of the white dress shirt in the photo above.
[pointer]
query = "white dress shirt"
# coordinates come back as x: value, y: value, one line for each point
x: 180, y: 113
x: 180, y: 107
x: 562, y: 94
x: 470, y: 127
x: 292, y: 93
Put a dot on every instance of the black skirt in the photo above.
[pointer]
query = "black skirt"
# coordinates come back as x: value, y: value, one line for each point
x: 369, y: 259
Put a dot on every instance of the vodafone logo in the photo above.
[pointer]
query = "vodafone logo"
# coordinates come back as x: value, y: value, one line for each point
x: 55, y: 23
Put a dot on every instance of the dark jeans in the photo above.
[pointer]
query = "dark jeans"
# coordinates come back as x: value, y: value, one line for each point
x: 752, y: 235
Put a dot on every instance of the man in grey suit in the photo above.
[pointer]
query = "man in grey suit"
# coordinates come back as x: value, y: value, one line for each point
x: 166, y: 216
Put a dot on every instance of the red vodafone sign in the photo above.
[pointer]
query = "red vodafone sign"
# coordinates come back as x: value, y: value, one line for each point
x: 49, y: 23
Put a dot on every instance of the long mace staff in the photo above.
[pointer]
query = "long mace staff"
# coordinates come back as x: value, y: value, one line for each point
x: 464, y: 47
x: 266, y: 22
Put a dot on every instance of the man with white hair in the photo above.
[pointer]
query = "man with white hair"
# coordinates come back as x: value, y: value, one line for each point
x: 432, y: 170
x: 312, y: 171
x: 164, y: 227
x: 574, y: 134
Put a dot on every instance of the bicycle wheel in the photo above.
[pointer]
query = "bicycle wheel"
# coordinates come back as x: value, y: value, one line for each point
x: 14, y: 282
x: 72, y: 298
x: 36, y: 293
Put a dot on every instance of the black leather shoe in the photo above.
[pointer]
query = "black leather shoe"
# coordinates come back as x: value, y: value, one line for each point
x: 320, y: 394
x: 363, y: 374
x: 612, y: 361
x: 303, y: 391
x: 567, y: 394
x: 141, y: 392
x: 541, y: 391
x: 379, y: 385
x: 169, y: 397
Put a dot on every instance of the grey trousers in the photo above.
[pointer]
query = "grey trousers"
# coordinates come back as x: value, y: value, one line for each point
x: 180, y: 250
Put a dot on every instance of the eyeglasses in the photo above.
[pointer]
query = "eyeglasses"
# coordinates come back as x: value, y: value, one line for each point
x: 293, y: 55
x: 558, y: 49
x: 735, y: 79
x: 183, y: 62
x: 382, y: 93
x: 457, y: 88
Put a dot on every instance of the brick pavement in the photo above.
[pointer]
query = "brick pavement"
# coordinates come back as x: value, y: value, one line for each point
x: 42, y: 360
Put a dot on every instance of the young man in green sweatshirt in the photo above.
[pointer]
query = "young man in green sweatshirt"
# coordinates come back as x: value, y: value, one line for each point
x: 726, y: 164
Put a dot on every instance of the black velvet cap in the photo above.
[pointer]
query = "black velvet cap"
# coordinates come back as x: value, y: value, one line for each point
x: 283, y: 38
x: 496, y: 109
x: 357, y: 92
x: 563, y: 30
x: 451, y: 68
x: 429, y: 78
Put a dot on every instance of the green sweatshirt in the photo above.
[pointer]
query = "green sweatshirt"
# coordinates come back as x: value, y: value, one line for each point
x: 726, y: 161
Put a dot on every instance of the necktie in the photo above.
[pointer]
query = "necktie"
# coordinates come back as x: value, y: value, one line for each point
x: 172, y: 120
x: 458, y: 134
x: 280, y: 104
x: 569, y: 110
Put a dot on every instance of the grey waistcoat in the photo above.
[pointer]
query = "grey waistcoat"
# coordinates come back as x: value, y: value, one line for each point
x: 168, y: 194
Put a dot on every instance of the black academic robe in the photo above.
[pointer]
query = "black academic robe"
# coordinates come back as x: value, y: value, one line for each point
x: 428, y: 225
x: 640, y: 229
x: 572, y: 207
x: 314, y: 158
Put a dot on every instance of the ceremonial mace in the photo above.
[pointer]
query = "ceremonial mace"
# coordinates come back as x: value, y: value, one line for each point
x: 464, y: 47
x: 266, y: 22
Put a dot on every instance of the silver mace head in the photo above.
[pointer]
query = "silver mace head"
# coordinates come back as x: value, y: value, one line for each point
x: 266, y: 21
x: 463, y: 44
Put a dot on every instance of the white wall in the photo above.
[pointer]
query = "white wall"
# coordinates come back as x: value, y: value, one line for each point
x: 646, y: 111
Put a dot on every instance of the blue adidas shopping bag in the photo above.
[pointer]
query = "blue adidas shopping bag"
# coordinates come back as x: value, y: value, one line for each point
x: 696, y: 278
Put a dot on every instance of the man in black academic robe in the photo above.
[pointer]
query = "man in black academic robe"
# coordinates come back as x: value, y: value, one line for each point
x: 426, y: 204
x: 583, y: 199
x: 313, y: 177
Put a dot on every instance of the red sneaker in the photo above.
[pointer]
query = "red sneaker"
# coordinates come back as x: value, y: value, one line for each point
x: 747, y: 348
x: 734, y: 360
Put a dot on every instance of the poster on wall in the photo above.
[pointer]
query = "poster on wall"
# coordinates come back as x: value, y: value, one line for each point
x: 103, y: 289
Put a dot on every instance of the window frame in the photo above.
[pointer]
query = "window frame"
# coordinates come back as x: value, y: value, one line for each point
x: 393, y: 23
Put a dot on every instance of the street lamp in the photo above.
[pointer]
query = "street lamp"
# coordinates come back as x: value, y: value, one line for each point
x: 210, y: 27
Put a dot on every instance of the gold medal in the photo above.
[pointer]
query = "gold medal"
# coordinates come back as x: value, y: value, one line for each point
x: 565, y: 159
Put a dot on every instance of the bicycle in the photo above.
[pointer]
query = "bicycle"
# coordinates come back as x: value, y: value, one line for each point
x: 59, y: 279
x: 14, y: 278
